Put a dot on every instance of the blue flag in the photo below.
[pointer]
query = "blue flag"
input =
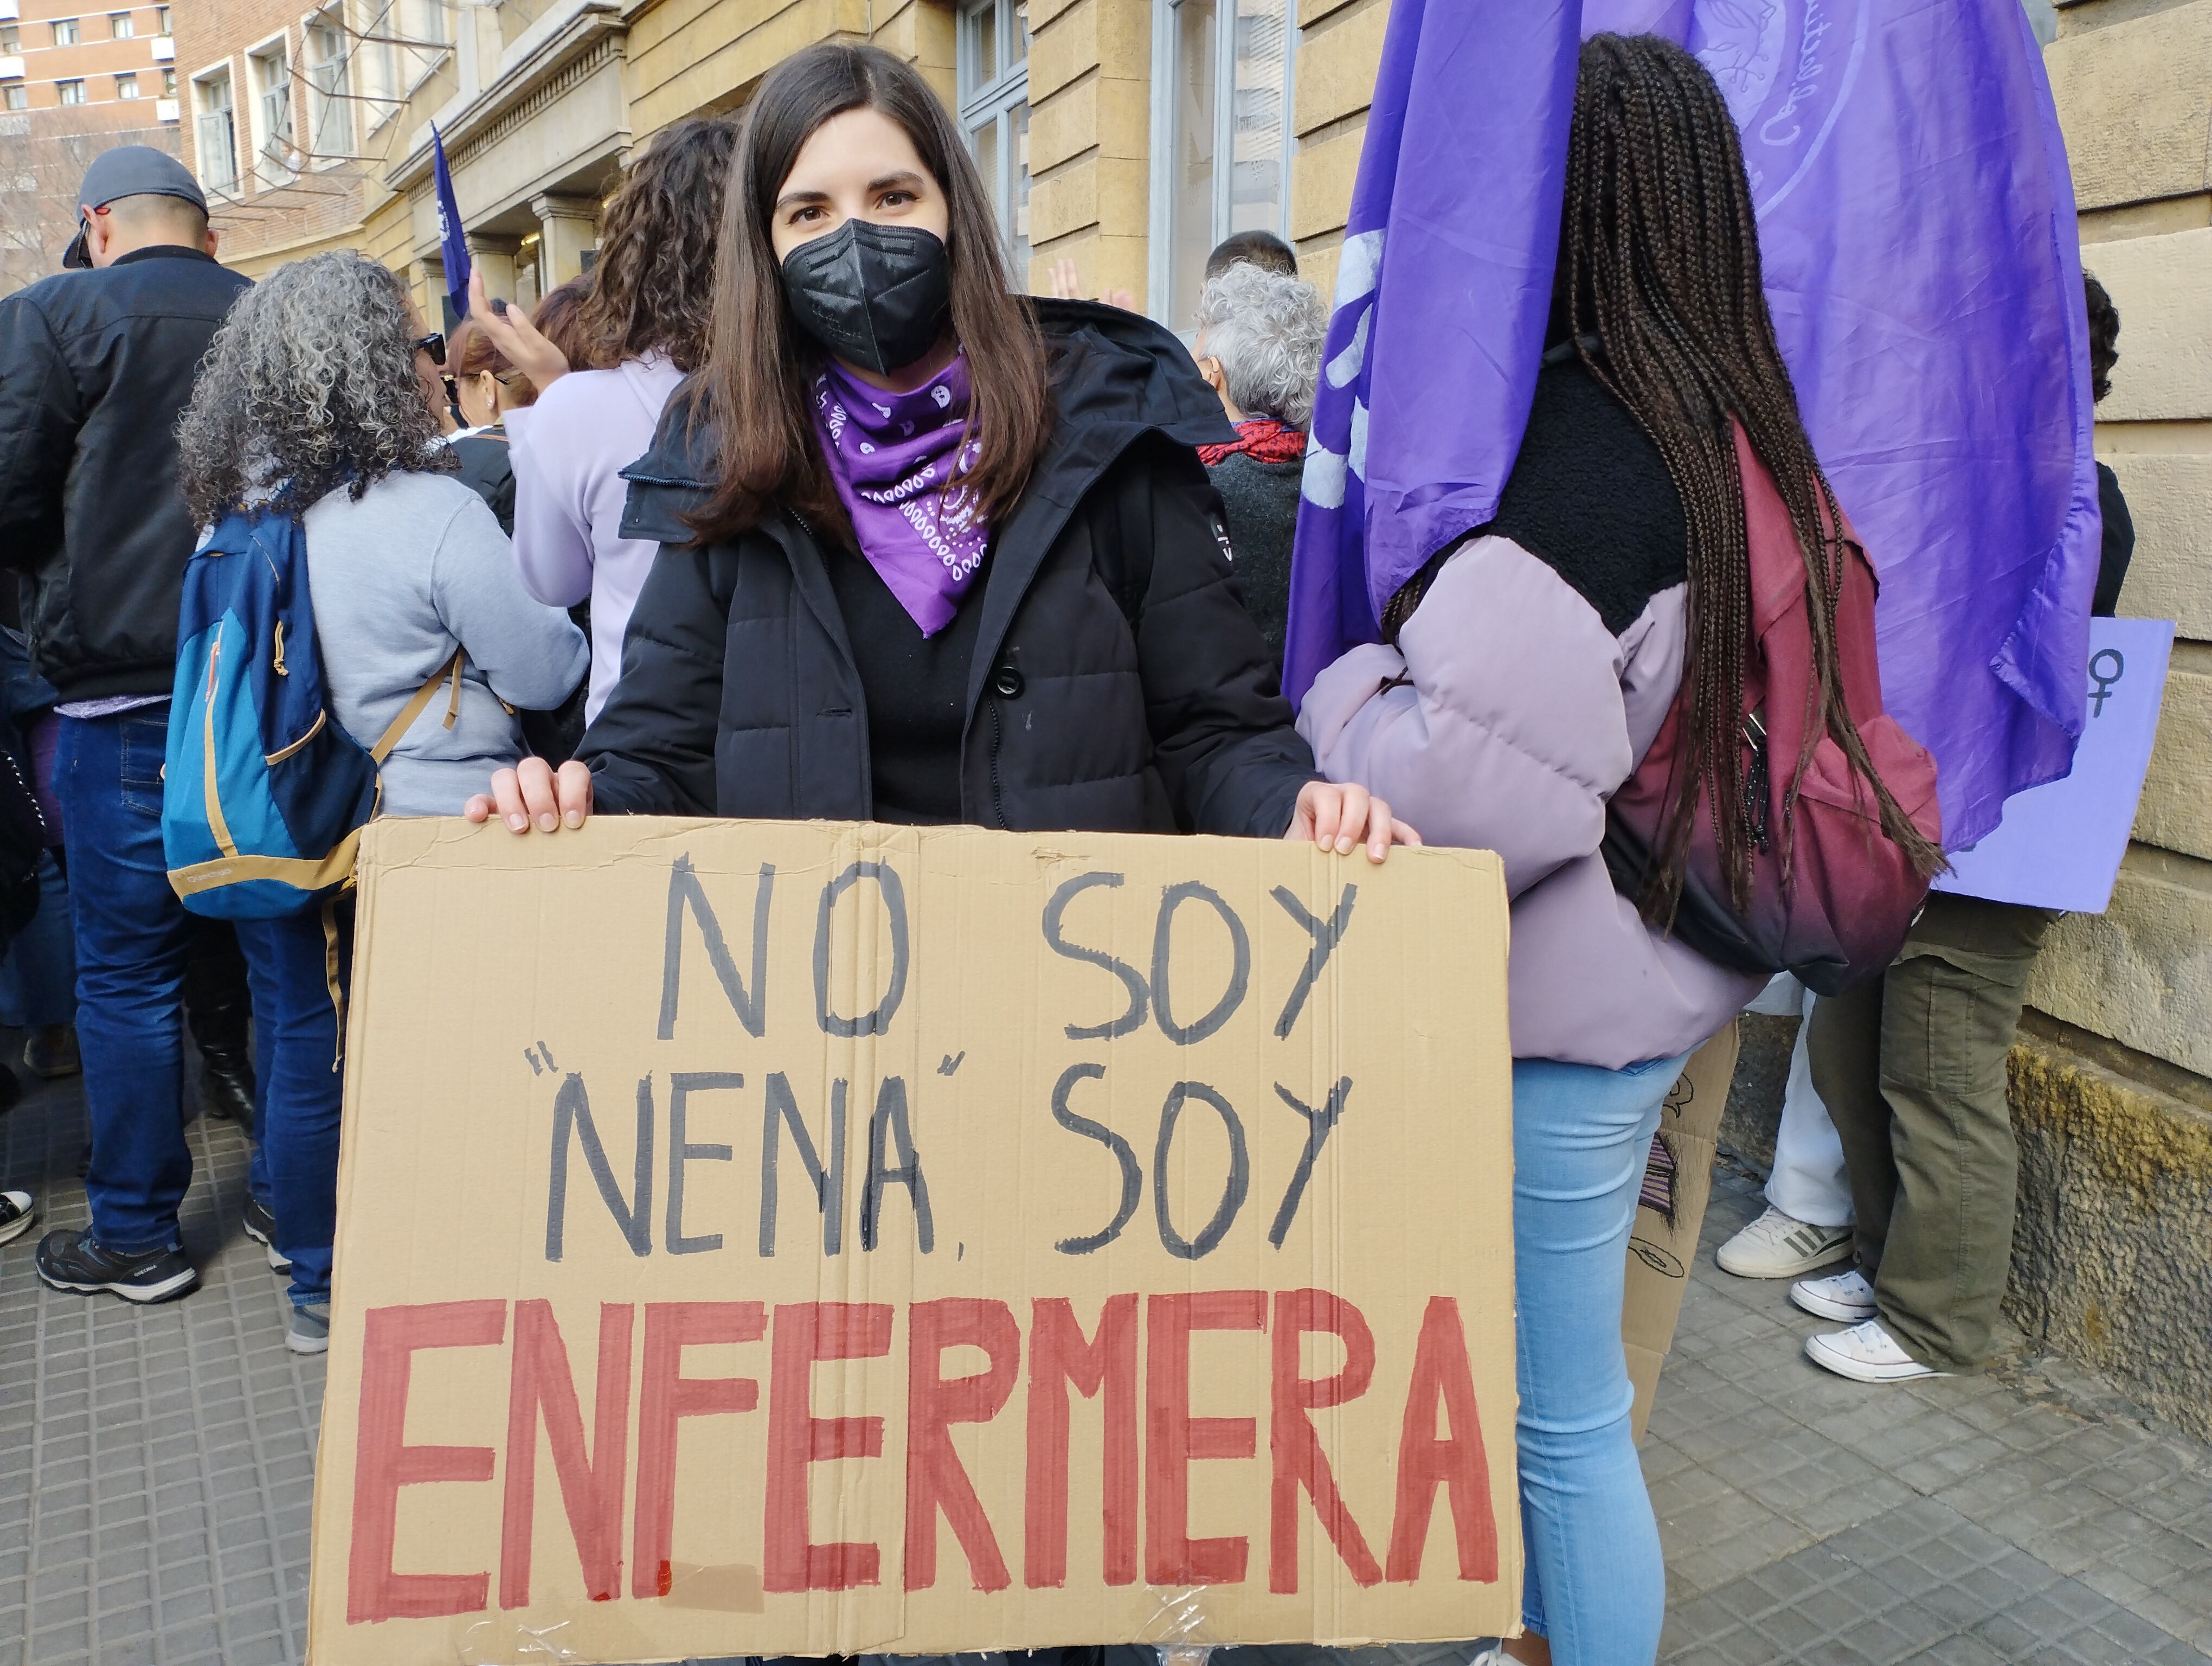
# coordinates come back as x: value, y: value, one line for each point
x: 453, y: 239
x: 1916, y: 221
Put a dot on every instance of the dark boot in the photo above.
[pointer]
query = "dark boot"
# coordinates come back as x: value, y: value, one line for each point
x: 219, y: 1008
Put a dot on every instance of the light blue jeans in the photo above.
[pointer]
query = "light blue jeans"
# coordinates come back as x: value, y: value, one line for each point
x: 1596, y: 1584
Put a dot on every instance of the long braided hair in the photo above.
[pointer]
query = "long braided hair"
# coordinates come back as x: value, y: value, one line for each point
x: 1659, y: 282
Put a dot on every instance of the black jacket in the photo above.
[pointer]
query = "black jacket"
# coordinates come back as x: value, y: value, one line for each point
x: 488, y: 470
x: 1117, y: 683
x: 94, y: 369
x: 1262, y: 503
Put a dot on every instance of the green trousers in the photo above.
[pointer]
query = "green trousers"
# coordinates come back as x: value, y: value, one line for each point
x: 1911, y: 1068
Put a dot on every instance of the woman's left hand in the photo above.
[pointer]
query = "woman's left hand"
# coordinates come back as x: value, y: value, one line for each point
x: 1340, y: 817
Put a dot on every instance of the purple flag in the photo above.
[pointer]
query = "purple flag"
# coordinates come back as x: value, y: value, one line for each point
x: 1442, y: 291
x: 1916, y: 219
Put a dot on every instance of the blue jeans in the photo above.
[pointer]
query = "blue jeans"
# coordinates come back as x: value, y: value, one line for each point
x: 133, y: 937
x: 298, y: 1020
x: 1596, y: 1583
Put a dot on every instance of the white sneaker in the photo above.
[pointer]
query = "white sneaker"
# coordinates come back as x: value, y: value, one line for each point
x: 1866, y: 1353
x: 17, y: 1211
x: 1846, y: 1296
x: 1779, y: 1246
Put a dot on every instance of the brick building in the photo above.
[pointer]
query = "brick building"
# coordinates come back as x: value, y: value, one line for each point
x: 74, y: 81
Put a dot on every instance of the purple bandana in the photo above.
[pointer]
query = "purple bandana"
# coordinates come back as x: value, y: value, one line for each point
x: 891, y: 455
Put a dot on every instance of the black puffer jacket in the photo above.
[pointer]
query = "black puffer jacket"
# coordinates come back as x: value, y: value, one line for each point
x: 94, y: 369
x: 1117, y: 683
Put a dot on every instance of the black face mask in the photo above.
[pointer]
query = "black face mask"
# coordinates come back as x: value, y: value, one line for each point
x: 874, y: 296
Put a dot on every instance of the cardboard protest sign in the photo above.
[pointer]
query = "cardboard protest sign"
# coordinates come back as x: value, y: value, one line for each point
x: 1670, y: 1212
x: 764, y: 1237
x: 2059, y: 845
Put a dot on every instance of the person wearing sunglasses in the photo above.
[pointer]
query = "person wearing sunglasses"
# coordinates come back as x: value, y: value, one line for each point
x: 437, y: 386
x: 486, y: 386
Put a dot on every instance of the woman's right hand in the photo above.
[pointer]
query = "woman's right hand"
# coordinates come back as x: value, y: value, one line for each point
x: 531, y: 794
x: 517, y: 339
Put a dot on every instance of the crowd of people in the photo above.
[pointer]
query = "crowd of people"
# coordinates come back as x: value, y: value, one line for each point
x: 796, y: 507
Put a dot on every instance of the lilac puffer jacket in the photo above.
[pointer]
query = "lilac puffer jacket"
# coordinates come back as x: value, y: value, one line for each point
x: 1523, y: 693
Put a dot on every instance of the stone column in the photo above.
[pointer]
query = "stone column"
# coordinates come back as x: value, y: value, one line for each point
x: 566, y: 227
x: 494, y: 256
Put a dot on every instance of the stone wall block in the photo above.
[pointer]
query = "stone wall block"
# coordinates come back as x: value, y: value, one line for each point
x: 2169, y: 500
x: 2163, y: 289
x: 2134, y: 97
x: 1336, y: 66
x: 2176, y: 810
x: 2140, y: 972
x: 1064, y: 125
x: 1105, y: 262
x: 1066, y: 201
x: 1321, y: 182
x: 2111, y: 1252
x: 1064, y: 48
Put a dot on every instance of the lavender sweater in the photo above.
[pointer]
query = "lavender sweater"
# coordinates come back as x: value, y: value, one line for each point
x: 568, y: 452
x: 1523, y: 716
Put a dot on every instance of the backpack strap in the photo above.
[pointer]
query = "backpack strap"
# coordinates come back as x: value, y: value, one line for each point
x: 451, y: 671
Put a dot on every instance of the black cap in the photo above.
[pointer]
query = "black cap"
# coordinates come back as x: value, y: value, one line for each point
x: 130, y: 170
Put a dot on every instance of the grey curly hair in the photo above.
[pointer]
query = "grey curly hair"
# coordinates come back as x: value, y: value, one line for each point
x: 1267, y: 330
x: 308, y: 386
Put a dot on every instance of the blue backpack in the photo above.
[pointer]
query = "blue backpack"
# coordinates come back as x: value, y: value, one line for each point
x: 263, y: 796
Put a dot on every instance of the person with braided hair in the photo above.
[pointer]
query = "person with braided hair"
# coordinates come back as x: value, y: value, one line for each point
x: 1529, y: 667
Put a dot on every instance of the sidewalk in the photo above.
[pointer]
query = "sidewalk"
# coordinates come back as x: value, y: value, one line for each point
x: 156, y: 1473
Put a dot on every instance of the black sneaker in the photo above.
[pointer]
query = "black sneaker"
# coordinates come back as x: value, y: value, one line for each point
x: 17, y: 1211
x: 261, y: 1227
x: 72, y: 1261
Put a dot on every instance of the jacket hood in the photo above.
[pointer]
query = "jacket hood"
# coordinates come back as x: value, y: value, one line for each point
x: 1115, y: 376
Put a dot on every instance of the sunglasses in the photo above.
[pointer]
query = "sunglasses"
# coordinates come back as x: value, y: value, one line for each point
x: 434, y: 345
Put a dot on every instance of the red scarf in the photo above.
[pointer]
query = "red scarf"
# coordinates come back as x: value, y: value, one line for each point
x: 1262, y: 439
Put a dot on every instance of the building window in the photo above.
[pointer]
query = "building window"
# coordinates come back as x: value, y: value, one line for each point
x: 216, y: 136
x: 162, y: 19
x: 272, y: 91
x: 1221, y: 128
x: 330, y: 118
x: 12, y: 39
x: 65, y: 31
x: 120, y: 27
x: 19, y: 96
x: 993, y: 78
x: 126, y: 87
x: 72, y: 92
x: 168, y: 83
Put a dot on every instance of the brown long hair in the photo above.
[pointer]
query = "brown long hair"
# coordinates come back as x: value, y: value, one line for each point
x: 760, y: 364
x: 1659, y: 266
x: 651, y: 286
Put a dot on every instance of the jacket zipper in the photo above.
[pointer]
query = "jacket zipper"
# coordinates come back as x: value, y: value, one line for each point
x: 216, y: 823
x: 997, y: 800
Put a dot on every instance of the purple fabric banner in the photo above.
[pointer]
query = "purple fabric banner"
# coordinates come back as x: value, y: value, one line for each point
x: 1441, y: 290
x: 1916, y: 216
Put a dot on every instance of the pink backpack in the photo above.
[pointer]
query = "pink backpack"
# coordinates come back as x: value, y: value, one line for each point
x: 1839, y: 912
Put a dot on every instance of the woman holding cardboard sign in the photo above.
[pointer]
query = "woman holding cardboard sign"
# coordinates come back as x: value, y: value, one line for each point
x: 1649, y: 684
x: 931, y: 551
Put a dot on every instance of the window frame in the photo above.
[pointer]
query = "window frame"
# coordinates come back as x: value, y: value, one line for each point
x: 122, y: 26
x: 993, y: 101
x: 331, y: 106
x: 17, y: 96
x: 62, y: 89
x: 74, y: 25
x: 161, y: 25
x: 271, y: 167
x: 129, y: 77
x: 1159, y: 299
x: 11, y: 37
x: 219, y: 73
